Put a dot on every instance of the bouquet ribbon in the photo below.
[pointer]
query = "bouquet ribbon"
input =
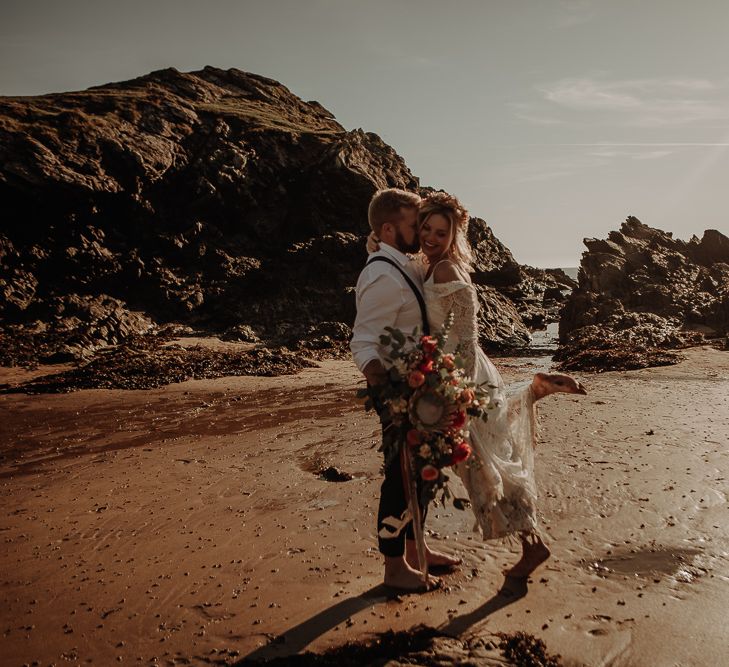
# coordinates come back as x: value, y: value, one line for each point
x: 411, y: 491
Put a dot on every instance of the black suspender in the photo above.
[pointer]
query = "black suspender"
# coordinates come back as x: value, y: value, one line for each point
x: 416, y: 291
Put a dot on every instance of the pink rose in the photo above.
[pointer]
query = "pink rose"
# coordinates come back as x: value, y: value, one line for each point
x: 413, y: 437
x: 461, y: 451
x: 426, y: 366
x: 458, y: 420
x: 429, y: 344
x: 415, y: 379
x: 429, y: 473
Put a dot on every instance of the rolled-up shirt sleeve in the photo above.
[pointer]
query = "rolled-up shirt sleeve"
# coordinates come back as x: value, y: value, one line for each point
x: 378, y: 305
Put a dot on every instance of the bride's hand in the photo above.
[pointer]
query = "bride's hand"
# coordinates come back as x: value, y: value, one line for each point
x: 373, y: 243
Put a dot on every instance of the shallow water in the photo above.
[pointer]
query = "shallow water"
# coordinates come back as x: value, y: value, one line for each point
x: 650, y: 562
x: 537, y: 357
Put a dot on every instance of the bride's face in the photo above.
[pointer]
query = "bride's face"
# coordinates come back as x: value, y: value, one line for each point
x: 435, y: 236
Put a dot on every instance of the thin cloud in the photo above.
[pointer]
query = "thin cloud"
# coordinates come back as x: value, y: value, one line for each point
x: 523, y: 112
x: 632, y: 155
x: 675, y: 144
x: 576, y: 12
x: 655, y: 102
x: 582, y: 94
x: 539, y: 120
x: 651, y: 155
x: 646, y: 150
x: 547, y: 168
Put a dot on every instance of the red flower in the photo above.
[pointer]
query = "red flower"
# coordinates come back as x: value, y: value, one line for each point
x: 448, y: 362
x: 458, y: 420
x: 413, y: 437
x: 461, y: 451
x: 429, y: 473
x: 426, y: 366
x: 415, y: 379
x: 429, y: 344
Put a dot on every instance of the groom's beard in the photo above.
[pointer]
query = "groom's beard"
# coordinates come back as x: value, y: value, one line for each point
x: 402, y: 246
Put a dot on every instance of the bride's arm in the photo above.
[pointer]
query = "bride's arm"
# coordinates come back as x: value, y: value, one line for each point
x: 463, y: 303
x: 373, y: 243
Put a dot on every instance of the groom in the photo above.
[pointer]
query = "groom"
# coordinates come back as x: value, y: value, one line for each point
x: 389, y: 294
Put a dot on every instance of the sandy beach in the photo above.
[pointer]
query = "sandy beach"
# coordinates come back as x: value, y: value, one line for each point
x: 188, y: 525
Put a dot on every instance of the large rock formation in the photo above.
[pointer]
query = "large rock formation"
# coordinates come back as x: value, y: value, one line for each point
x: 215, y: 198
x: 643, y: 293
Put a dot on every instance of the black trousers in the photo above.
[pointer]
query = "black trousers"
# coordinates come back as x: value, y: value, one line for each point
x: 393, y: 503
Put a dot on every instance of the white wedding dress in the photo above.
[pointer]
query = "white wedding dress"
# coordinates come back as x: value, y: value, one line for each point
x: 499, y: 475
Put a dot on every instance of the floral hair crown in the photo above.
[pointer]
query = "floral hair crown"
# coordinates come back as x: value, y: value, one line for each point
x: 442, y: 202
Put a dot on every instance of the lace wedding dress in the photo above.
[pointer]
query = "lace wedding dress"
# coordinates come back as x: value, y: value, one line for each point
x: 499, y: 475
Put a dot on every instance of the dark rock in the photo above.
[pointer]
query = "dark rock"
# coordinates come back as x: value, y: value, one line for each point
x: 712, y: 248
x: 333, y: 474
x: 499, y: 323
x: 537, y: 294
x: 75, y: 327
x: 419, y: 645
x: 641, y: 294
x: 240, y: 333
x: 146, y: 362
x: 596, y: 349
x: 216, y: 199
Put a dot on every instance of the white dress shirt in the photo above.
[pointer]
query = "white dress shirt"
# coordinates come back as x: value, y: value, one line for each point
x: 384, y: 299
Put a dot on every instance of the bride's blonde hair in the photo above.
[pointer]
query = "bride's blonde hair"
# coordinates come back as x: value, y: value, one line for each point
x: 459, y: 250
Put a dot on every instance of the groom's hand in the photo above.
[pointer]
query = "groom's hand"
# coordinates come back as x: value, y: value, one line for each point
x: 375, y: 373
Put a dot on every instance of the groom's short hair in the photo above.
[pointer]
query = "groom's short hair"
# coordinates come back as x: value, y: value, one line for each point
x: 386, y: 205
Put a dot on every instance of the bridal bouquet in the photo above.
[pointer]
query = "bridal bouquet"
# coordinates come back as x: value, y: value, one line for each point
x: 427, y: 404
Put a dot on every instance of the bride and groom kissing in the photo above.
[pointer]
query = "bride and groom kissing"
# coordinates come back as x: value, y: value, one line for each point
x: 416, y: 275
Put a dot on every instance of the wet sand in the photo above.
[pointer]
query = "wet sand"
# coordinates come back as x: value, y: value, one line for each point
x: 187, y: 525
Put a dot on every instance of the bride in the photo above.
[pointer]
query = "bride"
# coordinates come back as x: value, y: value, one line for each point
x: 499, y: 476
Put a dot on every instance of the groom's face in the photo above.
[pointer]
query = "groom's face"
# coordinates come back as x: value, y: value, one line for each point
x: 406, y: 231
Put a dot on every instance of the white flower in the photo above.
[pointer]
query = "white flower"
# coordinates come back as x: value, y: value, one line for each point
x: 398, y: 405
x: 400, y: 366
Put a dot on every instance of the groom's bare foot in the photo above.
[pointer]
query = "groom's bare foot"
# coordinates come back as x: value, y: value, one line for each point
x: 534, y: 555
x: 435, y: 559
x: 399, y: 575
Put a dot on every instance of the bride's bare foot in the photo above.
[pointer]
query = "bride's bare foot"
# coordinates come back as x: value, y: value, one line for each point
x: 435, y: 559
x: 535, y: 552
x: 399, y: 575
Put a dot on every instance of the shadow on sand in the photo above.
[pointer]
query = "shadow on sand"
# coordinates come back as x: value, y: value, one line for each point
x: 511, y: 590
x: 295, y: 639
x: 300, y: 636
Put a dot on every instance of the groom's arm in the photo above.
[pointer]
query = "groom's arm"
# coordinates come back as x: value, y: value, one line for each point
x: 378, y: 304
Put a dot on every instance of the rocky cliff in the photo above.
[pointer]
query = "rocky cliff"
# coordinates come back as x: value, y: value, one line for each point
x: 642, y: 294
x: 216, y: 199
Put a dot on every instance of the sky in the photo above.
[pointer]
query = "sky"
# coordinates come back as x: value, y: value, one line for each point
x: 553, y: 120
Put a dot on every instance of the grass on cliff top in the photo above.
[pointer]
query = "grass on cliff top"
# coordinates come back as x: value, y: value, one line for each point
x: 95, y: 104
x: 262, y: 116
x: 59, y: 110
